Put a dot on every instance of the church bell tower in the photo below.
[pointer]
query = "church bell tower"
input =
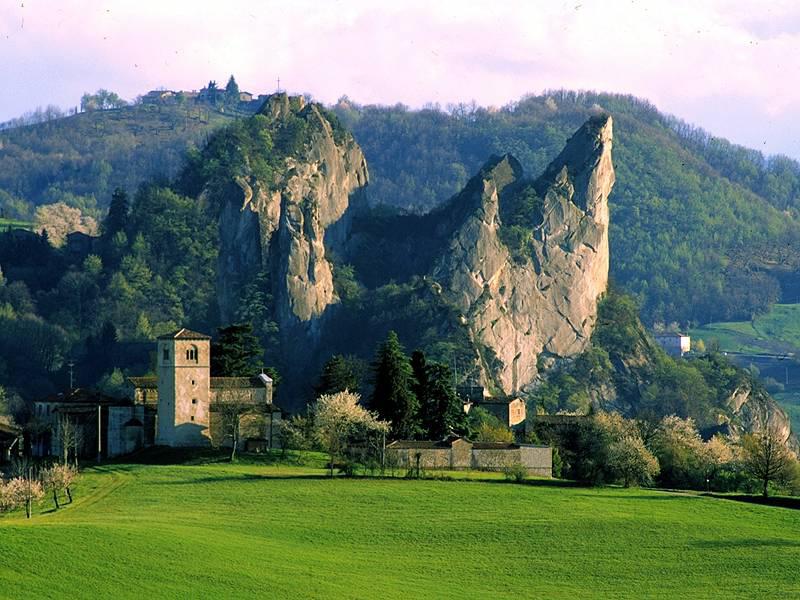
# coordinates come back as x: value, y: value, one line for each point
x: 184, y: 382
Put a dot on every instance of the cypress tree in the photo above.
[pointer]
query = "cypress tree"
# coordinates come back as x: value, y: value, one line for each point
x: 237, y: 352
x: 117, y: 213
x: 443, y: 412
x: 393, y: 396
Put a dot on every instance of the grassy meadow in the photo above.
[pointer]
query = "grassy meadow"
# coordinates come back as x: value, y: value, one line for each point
x: 14, y: 224
x: 775, y: 332
x: 257, y: 530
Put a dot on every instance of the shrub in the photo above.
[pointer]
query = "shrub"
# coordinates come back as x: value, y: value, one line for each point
x: 516, y: 472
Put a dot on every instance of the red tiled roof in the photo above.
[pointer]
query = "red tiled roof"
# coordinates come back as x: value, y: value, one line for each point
x: 184, y: 334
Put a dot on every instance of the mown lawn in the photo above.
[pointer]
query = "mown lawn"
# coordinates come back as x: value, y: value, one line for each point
x: 250, y: 530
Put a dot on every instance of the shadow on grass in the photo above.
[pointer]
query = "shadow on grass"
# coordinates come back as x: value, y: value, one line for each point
x: 164, y: 456
x: 256, y: 477
x: 779, y: 501
x: 746, y: 543
x: 244, y: 477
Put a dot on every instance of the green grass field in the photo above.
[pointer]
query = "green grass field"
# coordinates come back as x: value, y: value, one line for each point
x: 775, y: 332
x: 250, y: 530
x: 6, y: 223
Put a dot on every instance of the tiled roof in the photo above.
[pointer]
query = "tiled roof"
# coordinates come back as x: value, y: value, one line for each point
x: 83, y: 396
x: 222, y: 383
x: 217, y: 383
x: 495, y: 446
x: 149, y: 382
x: 424, y: 444
x: 184, y: 334
x: 487, y: 400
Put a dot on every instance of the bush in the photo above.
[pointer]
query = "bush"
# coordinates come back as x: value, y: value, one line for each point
x: 516, y: 473
x: 348, y: 468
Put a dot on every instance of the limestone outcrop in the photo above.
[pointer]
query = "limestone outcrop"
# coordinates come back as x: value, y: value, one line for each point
x: 538, y: 305
x: 754, y: 410
x: 281, y: 227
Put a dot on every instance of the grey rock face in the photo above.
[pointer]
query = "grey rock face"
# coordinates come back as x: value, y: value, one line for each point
x: 755, y: 411
x: 546, y: 304
x: 282, y: 225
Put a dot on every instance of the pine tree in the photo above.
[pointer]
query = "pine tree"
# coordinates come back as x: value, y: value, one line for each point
x: 443, y: 412
x: 393, y: 396
x: 338, y: 375
x: 232, y: 92
x: 117, y: 213
x: 237, y: 352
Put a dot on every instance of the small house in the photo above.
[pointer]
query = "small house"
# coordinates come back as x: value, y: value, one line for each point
x: 674, y: 344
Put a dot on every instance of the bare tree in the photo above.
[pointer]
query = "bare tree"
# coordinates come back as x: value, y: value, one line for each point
x: 231, y: 414
x: 765, y: 457
x: 70, y: 435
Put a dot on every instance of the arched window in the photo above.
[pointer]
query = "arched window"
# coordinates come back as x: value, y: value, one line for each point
x: 192, y: 354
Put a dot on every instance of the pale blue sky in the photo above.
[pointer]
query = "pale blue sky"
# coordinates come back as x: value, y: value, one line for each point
x: 730, y: 66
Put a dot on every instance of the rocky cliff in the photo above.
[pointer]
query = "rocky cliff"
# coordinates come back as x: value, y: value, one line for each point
x: 754, y: 410
x: 538, y: 305
x: 282, y: 226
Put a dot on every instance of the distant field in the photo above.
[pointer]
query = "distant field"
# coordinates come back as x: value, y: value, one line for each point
x: 6, y: 223
x: 775, y: 332
x: 258, y: 531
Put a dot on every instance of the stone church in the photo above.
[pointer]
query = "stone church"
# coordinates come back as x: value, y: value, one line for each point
x: 195, y: 409
x: 182, y: 406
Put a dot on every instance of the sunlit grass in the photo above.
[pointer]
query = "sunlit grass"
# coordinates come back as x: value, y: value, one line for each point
x: 249, y: 530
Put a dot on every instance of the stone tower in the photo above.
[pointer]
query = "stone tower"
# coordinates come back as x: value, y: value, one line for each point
x: 184, y: 382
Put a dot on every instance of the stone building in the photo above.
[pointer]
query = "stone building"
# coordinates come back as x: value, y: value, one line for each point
x: 510, y: 411
x: 675, y: 344
x: 10, y: 440
x: 457, y: 453
x: 105, y: 427
x: 193, y: 407
x: 181, y: 406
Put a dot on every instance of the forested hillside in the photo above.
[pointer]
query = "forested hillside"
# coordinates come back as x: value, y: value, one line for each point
x: 81, y: 159
x: 702, y: 230
x: 699, y: 227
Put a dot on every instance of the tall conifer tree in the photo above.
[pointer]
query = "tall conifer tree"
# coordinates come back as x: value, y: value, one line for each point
x: 393, y: 396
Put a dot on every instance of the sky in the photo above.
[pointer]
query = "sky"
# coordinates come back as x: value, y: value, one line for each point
x: 729, y: 66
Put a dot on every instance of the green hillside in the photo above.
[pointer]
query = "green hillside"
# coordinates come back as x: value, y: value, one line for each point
x: 771, y: 343
x: 243, y: 531
x: 776, y: 332
x: 698, y: 225
x: 82, y: 158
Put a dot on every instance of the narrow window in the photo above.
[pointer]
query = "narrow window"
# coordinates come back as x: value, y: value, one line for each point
x: 188, y: 355
x: 166, y: 353
x: 194, y: 400
x: 192, y: 417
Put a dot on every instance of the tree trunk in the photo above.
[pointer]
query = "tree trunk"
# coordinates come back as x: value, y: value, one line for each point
x: 766, y: 484
x: 28, y: 507
x: 330, y: 462
x: 69, y: 495
x: 55, y: 498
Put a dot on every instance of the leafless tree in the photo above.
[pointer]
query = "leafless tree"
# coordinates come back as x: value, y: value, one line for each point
x: 70, y: 435
x: 231, y: 414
